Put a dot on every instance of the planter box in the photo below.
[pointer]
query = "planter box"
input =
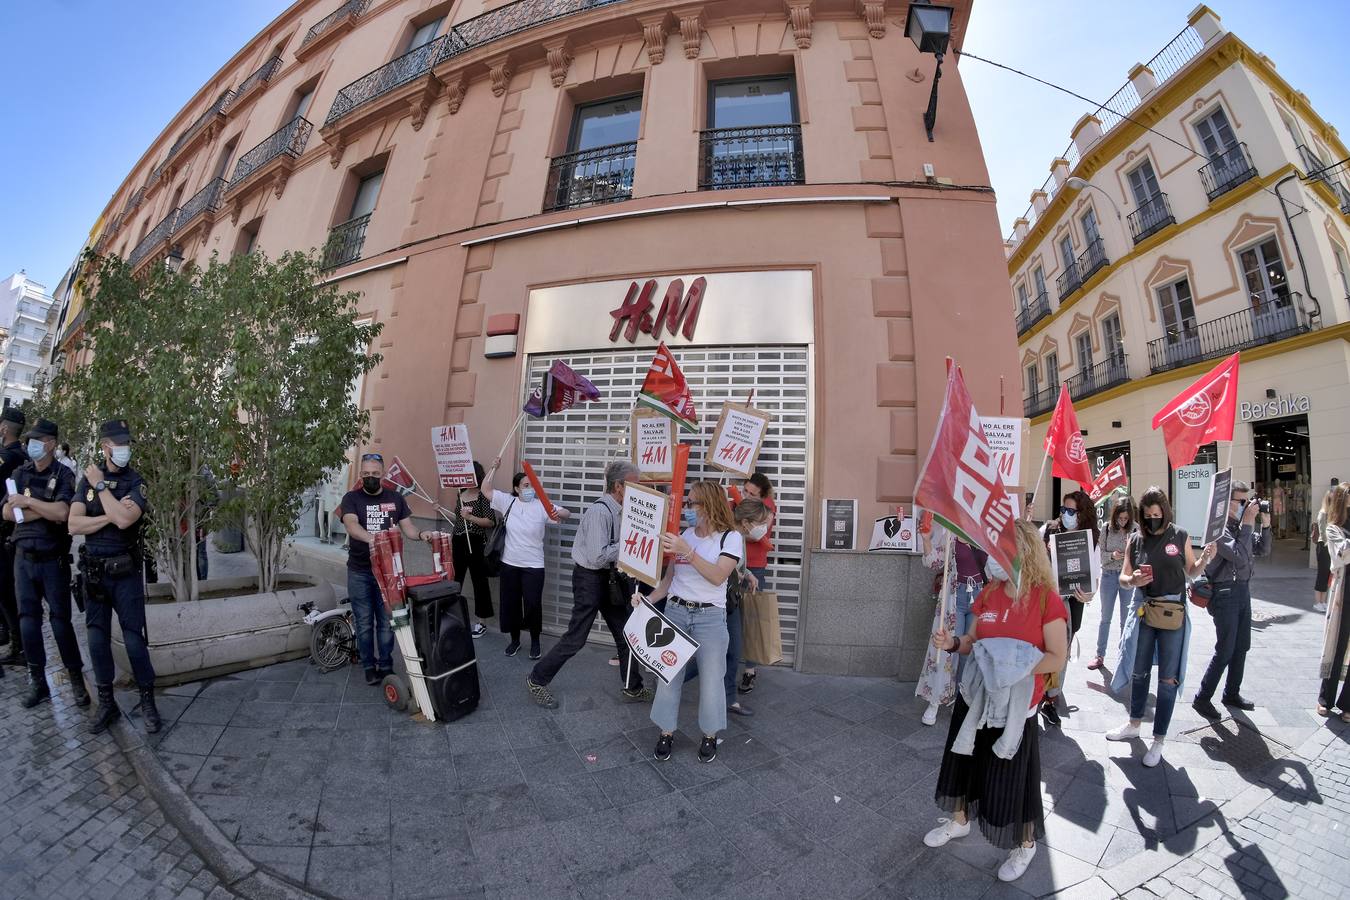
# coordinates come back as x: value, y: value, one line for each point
x: 226, y: 632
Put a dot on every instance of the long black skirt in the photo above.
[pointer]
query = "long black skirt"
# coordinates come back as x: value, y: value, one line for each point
x: 1003, y: 796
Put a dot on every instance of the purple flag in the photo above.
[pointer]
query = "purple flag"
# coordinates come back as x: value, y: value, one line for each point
x: 562, y: 389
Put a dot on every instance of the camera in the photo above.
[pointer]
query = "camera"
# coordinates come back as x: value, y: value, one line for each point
x: 1264, y: 506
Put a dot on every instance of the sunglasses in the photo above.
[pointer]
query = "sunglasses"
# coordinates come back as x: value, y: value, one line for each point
x: 1067, y: 509
x: 366, y: 457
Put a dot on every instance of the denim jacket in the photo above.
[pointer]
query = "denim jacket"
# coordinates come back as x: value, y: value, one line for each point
x: 998, y: 689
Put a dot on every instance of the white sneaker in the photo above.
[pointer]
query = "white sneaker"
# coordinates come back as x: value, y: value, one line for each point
x: 947, y: 830
x: 1319, y: 607
x: 478, y: 630
x: 1126, y: 732
x: 1154, y: 754
x: 930, y: 715
x: 1016, y: 864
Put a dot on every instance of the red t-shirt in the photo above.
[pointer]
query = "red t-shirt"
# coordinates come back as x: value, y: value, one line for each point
x: 757, y: 552
x: 997, y: 615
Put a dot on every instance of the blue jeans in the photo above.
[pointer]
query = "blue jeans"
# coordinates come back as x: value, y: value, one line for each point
x: 734, y: 632
x: 1168, y: 645
x: 1111, y: 594
x: 1231, y: 609
x: 707, y: 626
x: 374, y: 636
x: 964, y: 596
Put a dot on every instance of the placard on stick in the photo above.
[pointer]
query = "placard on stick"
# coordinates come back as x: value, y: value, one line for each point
x: 658, y: 643
x: 651, y: 439
x: 1073, y: 557
x: 1220, y: 491
x: 454, y: 457
x: 644, y: 518
x: 735, y: 444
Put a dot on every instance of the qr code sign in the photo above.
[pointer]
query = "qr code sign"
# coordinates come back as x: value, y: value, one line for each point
x: 1074, y: 566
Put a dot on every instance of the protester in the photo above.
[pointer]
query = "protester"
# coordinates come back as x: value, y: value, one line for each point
x: 1158, y: 560
x: 1230, y: 605
x: 1076, y: 513
x: 965, y: 579
x: 1115, y: 534
x: 521, y: 579
x: 1319, y: 537
x: 694, y: 585
x: 63, y: 457
x: 598, y: 588
x: 473, y: 518
x: 996, y: 777
x: 759, y: 541
x: 366, y: 511
x: 11, y: 457
x: 1337, y: 635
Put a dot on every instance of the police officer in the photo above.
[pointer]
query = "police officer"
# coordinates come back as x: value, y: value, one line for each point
x: 107, y: 510
x: 11, y: 457
x: 44, y: 490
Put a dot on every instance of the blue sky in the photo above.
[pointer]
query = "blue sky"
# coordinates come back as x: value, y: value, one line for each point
x: 87, y: 85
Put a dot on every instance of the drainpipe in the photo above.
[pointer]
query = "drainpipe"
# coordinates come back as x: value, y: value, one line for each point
x: 1298, y: 250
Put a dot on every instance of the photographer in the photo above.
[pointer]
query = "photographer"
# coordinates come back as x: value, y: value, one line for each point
x: 1231, y: 605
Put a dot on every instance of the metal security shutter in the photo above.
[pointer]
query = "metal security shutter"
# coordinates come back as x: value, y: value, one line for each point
x: 570, y: 451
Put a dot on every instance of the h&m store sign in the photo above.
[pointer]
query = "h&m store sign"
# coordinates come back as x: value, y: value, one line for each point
x: 1277, y: 408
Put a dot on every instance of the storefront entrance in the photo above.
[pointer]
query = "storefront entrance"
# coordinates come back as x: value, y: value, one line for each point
x: 1283, y: 465
x: 570, y: 450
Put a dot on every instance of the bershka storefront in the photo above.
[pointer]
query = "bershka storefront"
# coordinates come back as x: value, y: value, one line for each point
x: 733, y: 334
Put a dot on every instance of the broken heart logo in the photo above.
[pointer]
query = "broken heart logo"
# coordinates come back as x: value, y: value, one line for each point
x: 891, y: 527
x: 659, y: 634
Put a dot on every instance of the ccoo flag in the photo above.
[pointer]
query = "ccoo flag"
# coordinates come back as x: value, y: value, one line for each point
x: 1203, y: 412
x: 1111, y: 479
x: 562, y: 389
x: 665, y: 390
x: 1064, y: 442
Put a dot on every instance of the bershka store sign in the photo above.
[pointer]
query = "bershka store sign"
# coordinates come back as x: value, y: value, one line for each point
x: 678, y: 307
x: 1288, y: 405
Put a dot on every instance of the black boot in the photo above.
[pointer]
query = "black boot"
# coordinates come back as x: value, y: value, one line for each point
x: 108, y: 712
x: 78, y: 689
x: 14, y: 655
x: 148, y: 711
x: 37, y: 689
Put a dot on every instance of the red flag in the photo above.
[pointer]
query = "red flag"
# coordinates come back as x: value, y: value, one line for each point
x: 1112, y: 477
x: 1064, y: 442
x: 666, y: 391
x: 1203, y: 412
x: 960, y: 483
x: 562, y: 389
x: 399, y: 478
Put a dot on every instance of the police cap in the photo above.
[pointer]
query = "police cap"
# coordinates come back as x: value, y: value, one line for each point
x: 42, y: 428
x: 13, y: 414
x: 116, y: 430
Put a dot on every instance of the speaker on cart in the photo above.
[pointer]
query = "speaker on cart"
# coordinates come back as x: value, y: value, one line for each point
x: 441, y: 630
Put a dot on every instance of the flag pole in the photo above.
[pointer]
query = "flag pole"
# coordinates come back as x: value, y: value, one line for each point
x: 1036, y: 491
x: 506, y: 443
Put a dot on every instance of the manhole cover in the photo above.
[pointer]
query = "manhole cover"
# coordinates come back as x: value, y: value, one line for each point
x: 1235, y: 744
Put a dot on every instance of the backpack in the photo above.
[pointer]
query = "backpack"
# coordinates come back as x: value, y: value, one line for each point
x: 735, y: 581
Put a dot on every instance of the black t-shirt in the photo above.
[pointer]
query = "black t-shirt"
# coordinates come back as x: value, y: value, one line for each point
x: 379, y: 512
x: 111, y: 540
x: 54, y: 484
x: 1166, y: 552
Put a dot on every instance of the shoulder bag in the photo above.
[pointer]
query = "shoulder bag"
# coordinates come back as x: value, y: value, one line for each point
x: 618, y: 586
x: 496, y: 546
x: 735, y: 581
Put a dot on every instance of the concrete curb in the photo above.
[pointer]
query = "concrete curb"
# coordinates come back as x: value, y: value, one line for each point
x: 239, y: 874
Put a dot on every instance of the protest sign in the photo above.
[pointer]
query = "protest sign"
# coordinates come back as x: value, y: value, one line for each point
x: 839, y: 524
x: 736, y: 441
x: 1074, y: 562
x: 644, y: 515
x: 1190, y: 498
x: 1220, y: 490
x: 658, y: 643
x: 1006, y: 437
x: 454, y: 457
x: 895, y: 533
x: 651, y: 440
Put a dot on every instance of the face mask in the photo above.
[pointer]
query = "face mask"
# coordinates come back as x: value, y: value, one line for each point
x: 688, y: 518
x: 370, y: 484
x: 36, y: 450
x: 60, y: 454
x: 1154, y: 524
x: 757, y: 533
x: 121, y: 456
x: 1069, y: 520
x: 528, y: 495
x: 995, y: 571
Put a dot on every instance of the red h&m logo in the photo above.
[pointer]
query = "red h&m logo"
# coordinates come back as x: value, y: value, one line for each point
x: 677, y: 307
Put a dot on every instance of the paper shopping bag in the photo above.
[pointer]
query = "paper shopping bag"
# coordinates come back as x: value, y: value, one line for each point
x: 761, y: 639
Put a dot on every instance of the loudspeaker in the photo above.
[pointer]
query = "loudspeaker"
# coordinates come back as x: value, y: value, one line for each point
x: 441, y: 630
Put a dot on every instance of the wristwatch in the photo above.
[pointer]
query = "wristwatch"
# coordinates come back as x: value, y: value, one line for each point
x: 99, y: 488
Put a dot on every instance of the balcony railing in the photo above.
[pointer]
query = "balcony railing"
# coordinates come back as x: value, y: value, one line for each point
x: 222, y: 103
x: 1108, y: 373
x: 288, y: 140
x: 1332, y: 176
x: 1031, y: 314
x: 1152, y: 216
x: 345, y: 242
x: 133, y: 203
x: 205, y: 200
x: 598, y: 175
x: 761, y: 156
x: 391, y: 75
x: 1227, y: 170
x: 351, y: 8
x: 154, y: 239
x: 513, y: 18
x: 262, y: 76
x: 1041, y: 402
x: 1267, y: 321
x: 1092, y: 259
x: 1068, y: 281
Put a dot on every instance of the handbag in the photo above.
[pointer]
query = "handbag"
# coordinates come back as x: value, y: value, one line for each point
x: 1201, y: 592
x: 496, y: 546
x: 1164, y: 615
x: 735, y: 584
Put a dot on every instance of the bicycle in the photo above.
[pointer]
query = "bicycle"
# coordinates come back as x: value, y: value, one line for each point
x: 332, y: 639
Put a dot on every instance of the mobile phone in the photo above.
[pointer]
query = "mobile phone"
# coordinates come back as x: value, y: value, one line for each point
x: 1146, y: 569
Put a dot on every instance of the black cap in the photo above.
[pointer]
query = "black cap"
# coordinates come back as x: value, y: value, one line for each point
x: 42, y: 428
x: 13, y: 414
x: 116, y: 430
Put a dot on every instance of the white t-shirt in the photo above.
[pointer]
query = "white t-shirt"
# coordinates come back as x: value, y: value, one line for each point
x: 688, y: 584
x: 524, y: 530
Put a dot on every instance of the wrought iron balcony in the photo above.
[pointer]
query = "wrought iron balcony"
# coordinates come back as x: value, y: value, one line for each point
x: 1266, y: 321
x: 1041, y: 402
x: 288, y: 140
x: 133, y: 203
x: 761, y: 156
x: 153, y: 240
x: 1152, y: 216
x: 1068, y: 281
x: 207, y: 200
x: 510, y: 19
x: 391, y: 75
x: 260, y: 77
x: 349, y: 10
x: 1227, y: 170
x: 1031, y: 314
x: 205, y: 119
x: 1092, y: 259
x: 598, y: 175
x: 1108, y: 373
x: 1331, y: 176
x: 345, y: 242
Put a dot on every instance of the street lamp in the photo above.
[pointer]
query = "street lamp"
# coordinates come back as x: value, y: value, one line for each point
x: 174, y: 261
x: 930, y: 27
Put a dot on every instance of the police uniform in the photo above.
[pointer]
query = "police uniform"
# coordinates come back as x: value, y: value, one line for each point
x: 39, y: 547
x: 111, y: 563
x: 11, y: 458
